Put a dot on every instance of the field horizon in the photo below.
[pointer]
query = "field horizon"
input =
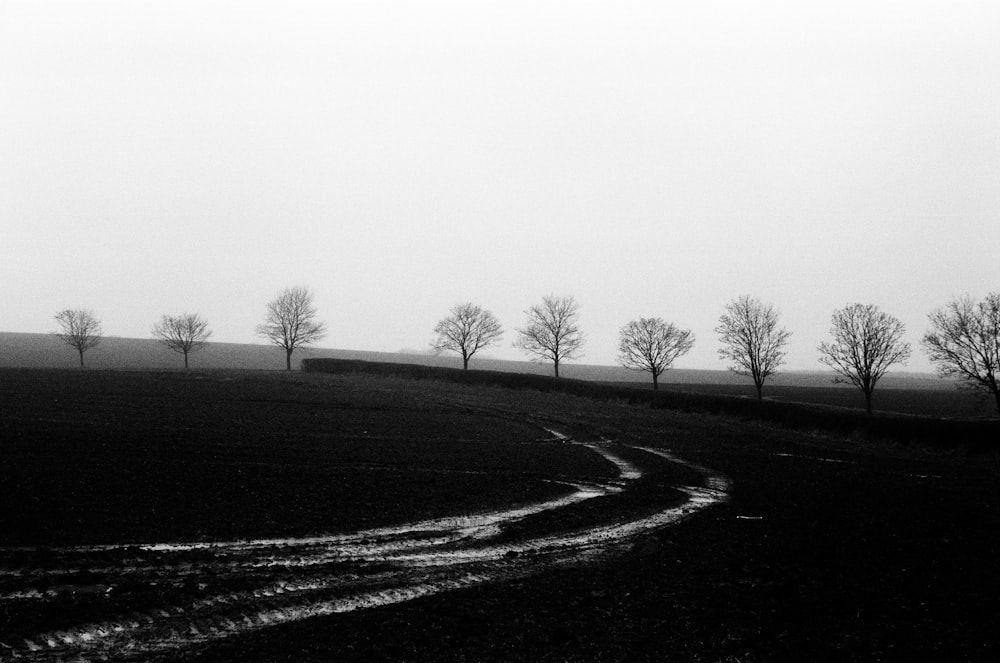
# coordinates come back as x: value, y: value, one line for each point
x: 899, y: 391
x: 45, y: 350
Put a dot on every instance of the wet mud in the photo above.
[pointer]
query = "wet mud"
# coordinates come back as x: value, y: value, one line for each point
x: 149, y: 600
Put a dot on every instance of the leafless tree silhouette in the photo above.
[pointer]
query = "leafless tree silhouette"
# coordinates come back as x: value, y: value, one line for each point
x: 80, y: 330
x: 866, y: 341
x: 964, y: 342
x: 466, y: 330
x: 183, y: 333
x: 291, y: 321
x: 751, y: 339
x: 650, y: 344
x: 552, y: 332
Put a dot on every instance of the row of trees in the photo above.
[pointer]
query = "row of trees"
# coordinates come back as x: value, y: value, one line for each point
x: 184, y: 333
x: 963, y: 342
x: 290, y: 323
x: 748, y: 331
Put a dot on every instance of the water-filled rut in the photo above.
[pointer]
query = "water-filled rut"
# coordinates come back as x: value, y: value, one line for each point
x: 138, y: 601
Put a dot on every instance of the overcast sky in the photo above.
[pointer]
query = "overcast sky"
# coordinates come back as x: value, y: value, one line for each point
x: 649, y: 158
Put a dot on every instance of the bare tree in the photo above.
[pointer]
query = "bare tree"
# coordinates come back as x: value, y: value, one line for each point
x: 751, y: 339
x: 965, y: 342
x: 650, y: 344
x: 866, y: 341
x: 467, y: 329
x: 183, y: 333
x: 80, y: 330
x: 552, y: 332
x: 291, y: 321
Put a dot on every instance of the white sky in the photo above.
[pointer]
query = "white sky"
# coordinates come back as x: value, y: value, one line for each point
x: 650, y: 158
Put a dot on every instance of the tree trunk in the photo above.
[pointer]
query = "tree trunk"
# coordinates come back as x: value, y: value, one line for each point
x: 996, y: 394
x: 555, y: 364
x: 656, y: 382
x: 80, y: 350
x: 288, y: 359
x: 868, y: 403
x: 185, y: 359
x: 760, y: 390
x: 465, y: 363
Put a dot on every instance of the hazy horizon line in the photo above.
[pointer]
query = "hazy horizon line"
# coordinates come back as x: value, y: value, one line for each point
x: 480, y: 356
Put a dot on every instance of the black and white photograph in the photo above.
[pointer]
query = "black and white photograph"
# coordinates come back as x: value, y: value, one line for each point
x: 549, y: 331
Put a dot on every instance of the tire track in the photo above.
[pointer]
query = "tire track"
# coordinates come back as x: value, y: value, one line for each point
x: 207, y: 591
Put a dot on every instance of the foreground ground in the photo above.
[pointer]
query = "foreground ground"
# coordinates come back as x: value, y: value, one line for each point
x: 825, y: 550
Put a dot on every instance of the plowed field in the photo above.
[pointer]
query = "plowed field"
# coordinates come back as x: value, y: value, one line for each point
x: 229, y: 515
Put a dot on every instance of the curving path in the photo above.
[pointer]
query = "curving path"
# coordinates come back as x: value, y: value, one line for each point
x: 164, y: 597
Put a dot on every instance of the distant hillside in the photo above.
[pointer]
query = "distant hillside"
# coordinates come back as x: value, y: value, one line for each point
x: 47, y: 351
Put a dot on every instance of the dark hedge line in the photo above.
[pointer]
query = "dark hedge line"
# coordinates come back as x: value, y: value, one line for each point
x: 972, y: 435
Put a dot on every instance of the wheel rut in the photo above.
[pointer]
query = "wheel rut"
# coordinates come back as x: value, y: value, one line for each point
x: 153, y: 599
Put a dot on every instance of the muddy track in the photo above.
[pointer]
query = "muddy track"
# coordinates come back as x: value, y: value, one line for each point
x: 144, y: 601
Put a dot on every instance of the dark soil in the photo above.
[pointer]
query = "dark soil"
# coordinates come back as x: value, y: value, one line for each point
x: 890, y: 554
x: 108, y: 457
x: 811, y: 560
